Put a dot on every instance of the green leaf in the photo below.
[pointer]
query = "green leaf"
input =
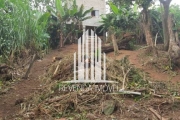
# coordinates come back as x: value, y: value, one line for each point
x: 114, y: 8
x: 52, y: 11
x: 2, y: 5
x: 87, y: 11
x: 44, y: 17
x: 59, y: 8
x: 135, y: 8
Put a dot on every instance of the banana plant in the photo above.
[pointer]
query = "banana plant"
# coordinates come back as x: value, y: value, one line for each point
x: 106, y: 22
x: 40, y: 23
x: 81, y: 15
x: 67, y: 14
x: 120, y: 19
x: 125, y: 18
x: 63, y: 14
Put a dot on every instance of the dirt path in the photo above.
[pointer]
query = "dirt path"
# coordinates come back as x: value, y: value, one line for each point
x: 134, y: 59
x: 24, y: 88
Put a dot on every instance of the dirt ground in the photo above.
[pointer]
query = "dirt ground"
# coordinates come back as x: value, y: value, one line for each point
x: 19, y: 91
x: 153, y: 73
x: 22, y: 89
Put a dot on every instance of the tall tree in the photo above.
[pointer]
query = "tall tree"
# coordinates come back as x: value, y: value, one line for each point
x: 174, y: 49
x: 146, y: 20
x: 145, y: 16
x: 146, y: 24
x: 165, y: 14
x: 175, y: 10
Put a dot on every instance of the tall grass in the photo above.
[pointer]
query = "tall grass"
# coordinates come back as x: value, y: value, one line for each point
x: 21, y: 28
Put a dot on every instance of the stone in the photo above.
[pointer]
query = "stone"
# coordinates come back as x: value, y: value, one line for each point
x: 109, y: 107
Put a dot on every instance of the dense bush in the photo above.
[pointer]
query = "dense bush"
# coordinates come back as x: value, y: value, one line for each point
x: 21, y: 28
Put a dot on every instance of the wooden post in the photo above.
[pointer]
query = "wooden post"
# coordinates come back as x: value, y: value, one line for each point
x: 30, y: 66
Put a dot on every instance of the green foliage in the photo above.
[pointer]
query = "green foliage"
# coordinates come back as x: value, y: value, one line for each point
x: 2, y: 60
x: 145, y: 4
x: 156, y: 15
x: 132, y: 45
x: 136, y: 79
x: 114, y: 8
x: 68, y: 12
x: 21, y: 27
x: 121, y: 19
x: 59, y: 8
x: 156, y: 19
x: 107, y: 21
x: 81, y: 14
x: 120, y: 3
x: 175, y: 10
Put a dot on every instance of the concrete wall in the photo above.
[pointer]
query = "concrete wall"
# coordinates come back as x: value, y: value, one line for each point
x: 97, y: 5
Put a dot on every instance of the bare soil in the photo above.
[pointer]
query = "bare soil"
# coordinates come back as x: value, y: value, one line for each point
x: 135, y: 59
x: 22, y: 89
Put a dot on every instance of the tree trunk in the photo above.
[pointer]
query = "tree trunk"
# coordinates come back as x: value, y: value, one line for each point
x: 148, y: 35
x: 114, y: 42
x: 61, y: 40
x: 174, y: 49
x: 146, y: 24
x: 121, y: 45
x: 177, y: 36
x: 165, y: 15
x: 30, y: 66
x: 67, y: 37
x: 108, y: 37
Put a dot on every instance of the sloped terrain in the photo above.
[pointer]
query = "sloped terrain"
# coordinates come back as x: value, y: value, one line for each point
x: 44, y: 96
